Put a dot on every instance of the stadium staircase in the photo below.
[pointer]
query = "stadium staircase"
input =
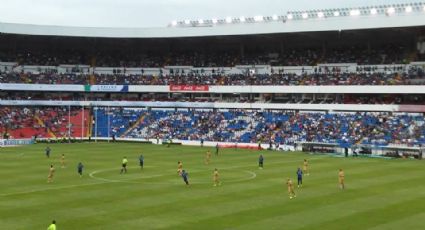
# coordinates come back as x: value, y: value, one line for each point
x: 89, y: 123
x: 135, y: 125
x: 42, y: 124
x: 77, y: 125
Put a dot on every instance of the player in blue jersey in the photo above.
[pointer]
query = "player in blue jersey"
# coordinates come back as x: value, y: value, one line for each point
x: 260, y: 161
x: 300, y: 177
x: 141, y: 161
x: 80, y: 167
x: 48, y: 151
x: 185, y: 177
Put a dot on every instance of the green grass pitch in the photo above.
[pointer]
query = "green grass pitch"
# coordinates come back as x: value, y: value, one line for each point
x: 381, y: 193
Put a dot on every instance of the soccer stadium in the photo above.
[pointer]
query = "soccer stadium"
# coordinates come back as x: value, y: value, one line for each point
x: 221, y: 122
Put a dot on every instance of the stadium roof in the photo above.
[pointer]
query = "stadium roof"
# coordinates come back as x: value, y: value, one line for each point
x: 386, y: 16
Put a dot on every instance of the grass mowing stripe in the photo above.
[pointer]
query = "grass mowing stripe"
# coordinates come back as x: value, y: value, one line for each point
x: 379, y: 184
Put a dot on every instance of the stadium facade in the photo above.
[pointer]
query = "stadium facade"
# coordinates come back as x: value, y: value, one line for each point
x: 357, y: 78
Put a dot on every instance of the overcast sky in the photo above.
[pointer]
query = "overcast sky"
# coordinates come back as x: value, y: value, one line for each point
x: 154, y: 13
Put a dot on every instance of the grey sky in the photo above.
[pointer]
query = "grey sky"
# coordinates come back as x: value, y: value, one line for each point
x: 154, y: 13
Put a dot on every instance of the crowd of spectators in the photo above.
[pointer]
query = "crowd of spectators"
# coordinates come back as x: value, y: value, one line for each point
x: 244, y: 126
x: 330, y: 78
x: 282, y: 127
x: 387, y: 54
x: 27, y: 122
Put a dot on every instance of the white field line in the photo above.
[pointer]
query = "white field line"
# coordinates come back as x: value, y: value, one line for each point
x: 104, y: 181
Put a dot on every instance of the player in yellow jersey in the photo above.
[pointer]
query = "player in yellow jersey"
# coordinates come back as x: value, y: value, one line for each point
x: 208, y: 157
x: 179, y: 168
x: 124, y: 165
x: 63, y: 161
x: 51, y: 174
x: 305, y: 168
x: 341, y: 177
x: 291, y: 191
x: 216, y: 178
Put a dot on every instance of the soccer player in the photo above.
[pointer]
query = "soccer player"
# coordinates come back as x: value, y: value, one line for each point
x: 341, y: 177
x: 216, y: 149
x: 179, y: 168
x: 124, y: 165
x: 216, y: 178
x: 47, y: 151
x: 169, y: 142
x: 63, y: 161
x: 291, y: 191
x: 300, y: 177
x: 52, y: 226
x: 185, y: 177
x: 51, y: 173
x: 141, y: 161
x: 305, y: 167
x: 260, y: 161
x: 80, y: 167
x: 208, y: 157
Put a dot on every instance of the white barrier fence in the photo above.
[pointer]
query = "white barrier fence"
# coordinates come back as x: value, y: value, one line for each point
x: 15, y: 142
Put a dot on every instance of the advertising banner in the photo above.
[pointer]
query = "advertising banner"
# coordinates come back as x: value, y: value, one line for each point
x: 192, y: 88
x: 106, y: 88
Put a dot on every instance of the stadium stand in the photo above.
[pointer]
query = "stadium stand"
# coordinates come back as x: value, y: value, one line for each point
x: 417, y: 78
x: 41, y: 122
x: 268, y: 126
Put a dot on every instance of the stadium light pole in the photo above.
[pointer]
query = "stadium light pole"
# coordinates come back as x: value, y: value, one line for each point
x: 95, y: 125
x: 108, y: 123
x: 69, y: 123
x: 82, y: 122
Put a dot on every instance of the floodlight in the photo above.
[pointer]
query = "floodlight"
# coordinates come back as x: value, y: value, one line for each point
x: 354, y: 12
x: 289, y: 16
x: 304, y: 15
x: 187, y: 22
x: 258, y: 18
x: 228, y: 20
x: 391, y: 10
x: 214, y: 20
x: 373, y: 11
x: 408, y: 9
x: 275, y: 17
x: 174, y: 23
x: 242, y: 19
x: 336, y: 13
x: 320, y: 15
